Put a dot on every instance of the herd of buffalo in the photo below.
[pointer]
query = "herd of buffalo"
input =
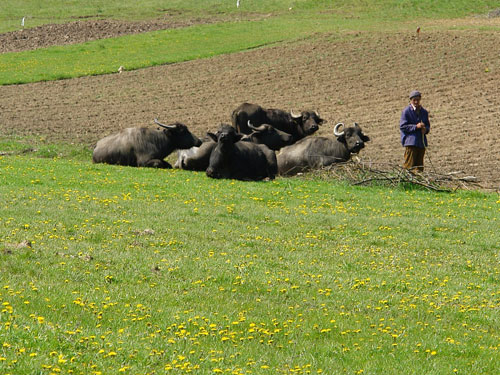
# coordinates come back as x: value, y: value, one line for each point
x: 261, y: 143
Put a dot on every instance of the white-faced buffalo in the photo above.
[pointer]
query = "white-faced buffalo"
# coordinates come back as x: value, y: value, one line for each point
x: 197, y: 158
x: 234, y: 159
x: 144, y: 147
x: 316, y: 152
x: 298, y: 125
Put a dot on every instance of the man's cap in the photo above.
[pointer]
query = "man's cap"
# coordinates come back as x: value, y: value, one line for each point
x: 415, y: 93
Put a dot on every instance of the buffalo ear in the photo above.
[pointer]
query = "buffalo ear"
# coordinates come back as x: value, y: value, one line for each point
x: 238, y: 137
x: 365, y: 138
x: 212, y: 136
x: 341, y: 138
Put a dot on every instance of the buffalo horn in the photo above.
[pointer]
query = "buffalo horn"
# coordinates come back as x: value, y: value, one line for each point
x: 336, y: 129
x: 251, y: 126
x: 322, y: 121
x: 294, y: 115
x: 163, y: 125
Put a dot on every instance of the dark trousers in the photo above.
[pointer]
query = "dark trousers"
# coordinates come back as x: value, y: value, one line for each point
x: 414, y: 158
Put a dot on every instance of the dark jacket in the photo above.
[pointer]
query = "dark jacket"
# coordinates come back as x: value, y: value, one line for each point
x: 410, y: 135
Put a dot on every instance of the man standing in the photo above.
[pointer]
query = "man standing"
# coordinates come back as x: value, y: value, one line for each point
x: 414, y: 125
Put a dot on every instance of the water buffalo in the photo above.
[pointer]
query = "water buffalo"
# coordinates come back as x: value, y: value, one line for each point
x: 298, y: 125
x: 234, y: 159
x: 316, y: 152
x: 197, y: 158
x: 144, y: 147
x: 268, y: 135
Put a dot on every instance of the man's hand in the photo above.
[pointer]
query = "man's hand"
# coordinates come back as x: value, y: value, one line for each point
x: 421, y: 126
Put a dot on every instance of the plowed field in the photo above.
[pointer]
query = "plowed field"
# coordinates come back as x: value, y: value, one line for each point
x: 364, y: 78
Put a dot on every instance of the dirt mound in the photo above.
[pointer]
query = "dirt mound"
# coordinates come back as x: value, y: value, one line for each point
x: 365, y: 79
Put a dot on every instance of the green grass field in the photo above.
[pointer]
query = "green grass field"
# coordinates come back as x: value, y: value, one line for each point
x: 110, y: 270
x: 152, y: 271
x: 162, y: 47
x: 58, y: 11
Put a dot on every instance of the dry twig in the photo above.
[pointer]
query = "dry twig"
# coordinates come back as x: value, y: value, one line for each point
x: 365, y: 173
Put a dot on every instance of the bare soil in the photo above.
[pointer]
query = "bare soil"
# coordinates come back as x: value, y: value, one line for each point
x: 365, y: 78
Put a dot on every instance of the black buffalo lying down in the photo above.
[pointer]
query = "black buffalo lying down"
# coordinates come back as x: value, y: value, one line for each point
x: 316, y: 152
x: 298, y: 125
x: 197, y: 158
x: 268, y: 135
x: 144, y: 147
x: 232, y: 158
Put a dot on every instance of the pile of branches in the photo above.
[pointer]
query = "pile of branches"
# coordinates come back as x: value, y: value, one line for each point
x: 363, y: 173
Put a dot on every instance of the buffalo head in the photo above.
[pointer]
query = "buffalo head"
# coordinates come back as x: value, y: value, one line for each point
x: 180, y: 135
x: 226, y: 135
x: 268, y: 135
x: 220, y: 158
x: 309, y: 121
x: 352, y: 136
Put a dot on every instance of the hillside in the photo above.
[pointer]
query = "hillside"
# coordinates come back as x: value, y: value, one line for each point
x: 363, y: 77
